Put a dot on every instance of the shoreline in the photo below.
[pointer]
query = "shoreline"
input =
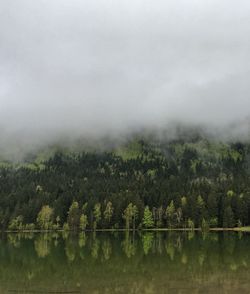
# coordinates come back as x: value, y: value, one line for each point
x: 236, y: 229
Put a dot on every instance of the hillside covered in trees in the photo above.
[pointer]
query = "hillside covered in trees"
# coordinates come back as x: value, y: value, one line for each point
x: 141, y: 184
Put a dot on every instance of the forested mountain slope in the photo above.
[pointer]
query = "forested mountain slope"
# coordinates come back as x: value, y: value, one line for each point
x: 143, y: 183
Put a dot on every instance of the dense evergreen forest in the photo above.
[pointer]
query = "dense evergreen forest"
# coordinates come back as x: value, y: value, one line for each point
x: 141, y: 184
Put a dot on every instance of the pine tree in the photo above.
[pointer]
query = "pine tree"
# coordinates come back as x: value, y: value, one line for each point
x: 147, y: 220
x: 128, y: 215
x: 73, y: 216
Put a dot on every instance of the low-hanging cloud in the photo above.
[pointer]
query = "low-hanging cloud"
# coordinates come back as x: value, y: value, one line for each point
x: 72, y: 68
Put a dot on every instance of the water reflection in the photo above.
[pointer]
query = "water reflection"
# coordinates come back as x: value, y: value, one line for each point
x: 145, y: 262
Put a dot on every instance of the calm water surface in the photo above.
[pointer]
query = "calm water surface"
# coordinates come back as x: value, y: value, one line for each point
x: 125, y: 263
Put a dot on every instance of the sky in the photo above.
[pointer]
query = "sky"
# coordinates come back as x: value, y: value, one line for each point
x: 88, y: 68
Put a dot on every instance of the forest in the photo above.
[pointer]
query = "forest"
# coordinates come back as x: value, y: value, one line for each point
x: 141, y: 184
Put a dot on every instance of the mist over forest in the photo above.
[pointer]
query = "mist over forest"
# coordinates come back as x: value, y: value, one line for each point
x: 124, y: 114
x: 87, y: 71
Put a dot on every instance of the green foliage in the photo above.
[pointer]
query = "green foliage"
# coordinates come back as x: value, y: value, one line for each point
x: 108, y: 212
x: 147, y: 241
x: 135, y: 215
x: 30, y: 227
x: 44, y: 218
x: 170, y: 214
x: 58, y: 222
x: 73, y: 216
x: 83, y: 222
x: 129, y: 215
x: 84, y: 207
x: 147, y: 220
x: 230, y: 194
x: 97, y: 215
x: 131, y: 151
x: 112, y: 189
x: 16, y: 223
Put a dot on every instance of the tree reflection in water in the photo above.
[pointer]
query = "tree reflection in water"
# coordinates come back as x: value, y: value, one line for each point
x: 145, y: 262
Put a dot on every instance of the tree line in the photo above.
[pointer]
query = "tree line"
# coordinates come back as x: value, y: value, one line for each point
x: 178, y: 184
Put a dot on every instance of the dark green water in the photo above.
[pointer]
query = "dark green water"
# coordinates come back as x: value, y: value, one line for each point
x: 120, y: 263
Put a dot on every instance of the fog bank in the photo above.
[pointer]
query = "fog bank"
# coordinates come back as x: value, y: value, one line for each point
x: 87, y: 69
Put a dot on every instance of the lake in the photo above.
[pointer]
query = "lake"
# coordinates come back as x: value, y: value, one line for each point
x: 145, y: 262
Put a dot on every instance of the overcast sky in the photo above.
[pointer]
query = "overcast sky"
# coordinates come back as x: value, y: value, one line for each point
x: 90, y: 67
